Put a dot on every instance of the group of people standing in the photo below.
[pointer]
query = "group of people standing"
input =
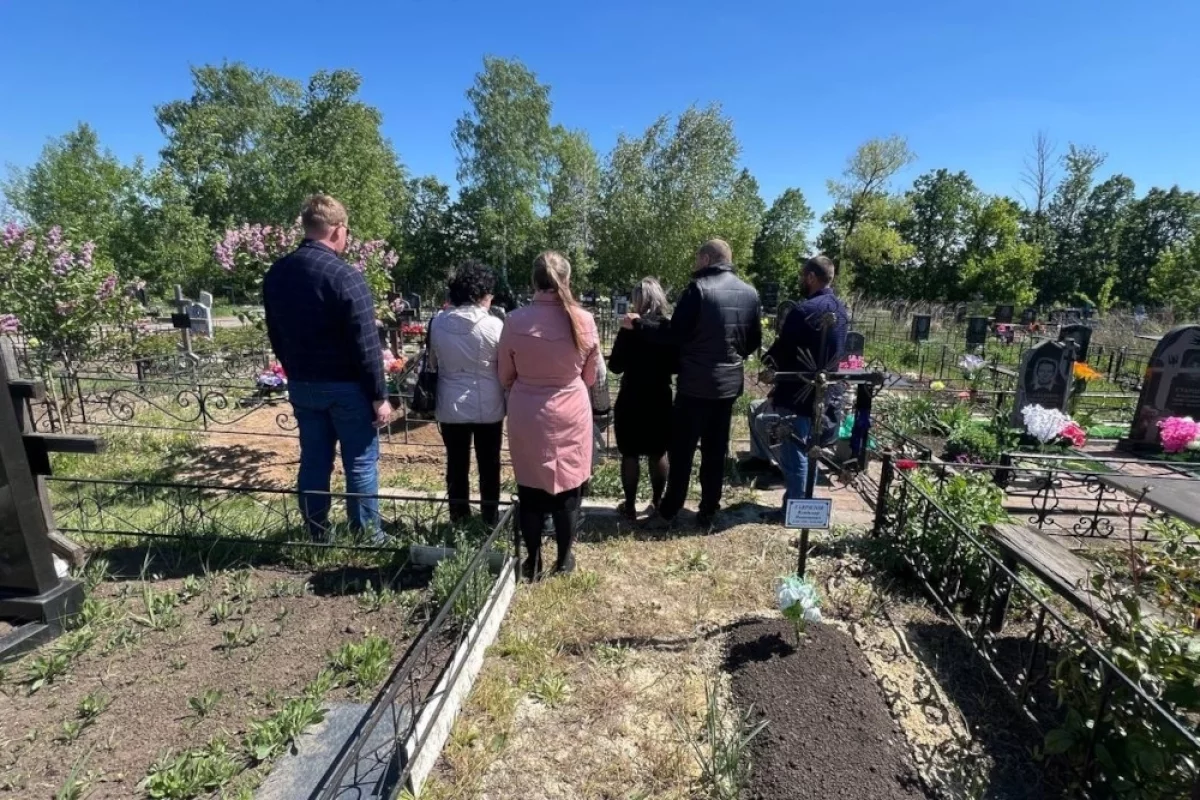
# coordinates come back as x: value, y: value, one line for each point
x: 535, y: 368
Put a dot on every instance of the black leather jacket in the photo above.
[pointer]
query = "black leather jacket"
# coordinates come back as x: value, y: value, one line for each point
x: 716, y: 325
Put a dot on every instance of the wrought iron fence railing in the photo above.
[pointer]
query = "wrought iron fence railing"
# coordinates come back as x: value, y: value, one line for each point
x: 1059, y: 671
x: 394, y: 735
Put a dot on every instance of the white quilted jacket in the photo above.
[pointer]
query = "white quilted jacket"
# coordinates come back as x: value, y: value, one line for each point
x: 464, y: 341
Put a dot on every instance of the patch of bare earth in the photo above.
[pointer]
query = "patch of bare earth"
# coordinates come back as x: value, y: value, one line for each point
x: 284, y: 634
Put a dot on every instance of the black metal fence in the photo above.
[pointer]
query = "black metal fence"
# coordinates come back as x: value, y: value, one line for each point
x: 1097, y: 718
x: 394, y: 735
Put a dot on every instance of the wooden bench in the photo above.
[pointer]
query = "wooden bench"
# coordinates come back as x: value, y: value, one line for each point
x: 1068, y: 575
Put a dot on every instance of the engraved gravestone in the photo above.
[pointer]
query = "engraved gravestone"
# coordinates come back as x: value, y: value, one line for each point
x: 856, y: 343
x: 920, y: 328
x: 1044, y: 378
x: 769, y: 296
x: 1003, y: 314
x: 1171, y: 387
x: 1082, y: 336
x: 977, y: 331
x: 621, y: 306
x: 200, y: 317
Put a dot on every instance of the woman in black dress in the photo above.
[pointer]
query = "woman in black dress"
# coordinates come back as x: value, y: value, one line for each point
x: 642, y: 413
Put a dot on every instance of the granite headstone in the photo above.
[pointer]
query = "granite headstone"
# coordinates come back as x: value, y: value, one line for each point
x: 856, y: 343
x: 1003, y: 314
x: 1029, y: 316
x: 920, y: 328
x: 1044, y: 378
x: 977, y: 331
x: 1082, y: 336
x: 1171, y: 387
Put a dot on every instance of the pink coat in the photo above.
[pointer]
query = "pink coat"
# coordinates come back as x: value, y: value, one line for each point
x: 549, y: 413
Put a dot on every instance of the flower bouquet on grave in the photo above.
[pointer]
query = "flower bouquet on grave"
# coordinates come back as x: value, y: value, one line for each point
x: 1179, y: 435
x: 412, y: 329
x: 799, y: 602
x: 272, y: 382
x: 1051, y: 426
x: 972, y: 370
x: 850, y: 362
x: 393, y: 372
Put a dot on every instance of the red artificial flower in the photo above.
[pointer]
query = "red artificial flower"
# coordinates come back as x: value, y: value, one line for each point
x: 277, y: 369
x: 1074, y: 433
x: 906, y: 464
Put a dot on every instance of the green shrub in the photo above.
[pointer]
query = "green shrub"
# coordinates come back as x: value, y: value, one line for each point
x: 973, y: 442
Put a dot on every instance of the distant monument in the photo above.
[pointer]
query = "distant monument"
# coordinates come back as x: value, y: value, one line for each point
x: 977, y: 331
x: 856, y: 343
x: 1082, y: 336
x: 920, y: 328
x: 1171, y: 387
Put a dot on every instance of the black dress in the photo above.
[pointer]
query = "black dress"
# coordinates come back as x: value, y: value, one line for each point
x: 642, y: 413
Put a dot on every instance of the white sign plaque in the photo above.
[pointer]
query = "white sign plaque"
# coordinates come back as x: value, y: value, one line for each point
x: 812, y: 514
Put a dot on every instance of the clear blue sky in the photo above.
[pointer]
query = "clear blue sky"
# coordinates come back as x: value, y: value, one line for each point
x: 968, y: 83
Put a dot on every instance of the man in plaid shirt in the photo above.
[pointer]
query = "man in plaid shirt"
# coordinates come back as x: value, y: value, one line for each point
x: 321, y: 322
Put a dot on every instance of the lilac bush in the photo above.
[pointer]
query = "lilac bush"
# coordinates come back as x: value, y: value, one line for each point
x: 56, y: 293
x: 246, y: 252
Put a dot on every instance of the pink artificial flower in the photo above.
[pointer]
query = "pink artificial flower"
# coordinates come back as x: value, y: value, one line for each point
x: 1075, y: 434
x: 964, y: 395
x: 1177, y: 433
x: 906, y: 464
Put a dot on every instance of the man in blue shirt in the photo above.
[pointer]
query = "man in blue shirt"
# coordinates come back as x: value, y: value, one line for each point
x: 813, y: 339
x: 321, y: 322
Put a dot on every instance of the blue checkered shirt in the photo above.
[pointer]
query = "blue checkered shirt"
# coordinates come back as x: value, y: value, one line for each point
x: 321, y: 320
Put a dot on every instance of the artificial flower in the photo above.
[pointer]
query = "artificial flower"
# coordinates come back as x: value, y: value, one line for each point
x: 799, y: 602
x: 1177, y: 433
x: 937, y: 386
x: 1044, y: 424
x: 970, y: 364
x: 851, y: 362
x: 1085, y: 373
x: 906, y: 464
x: 964, y: 395
x: 1075, y: 433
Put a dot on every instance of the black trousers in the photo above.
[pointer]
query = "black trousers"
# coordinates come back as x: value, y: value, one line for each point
x: 487, y: 438
x: 705, y: 422
x: 563, y: 509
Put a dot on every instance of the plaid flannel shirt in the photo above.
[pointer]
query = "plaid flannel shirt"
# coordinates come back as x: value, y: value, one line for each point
x: 321, y: 320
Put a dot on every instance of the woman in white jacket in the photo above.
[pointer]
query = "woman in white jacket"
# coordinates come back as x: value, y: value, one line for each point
x: 470, y: 400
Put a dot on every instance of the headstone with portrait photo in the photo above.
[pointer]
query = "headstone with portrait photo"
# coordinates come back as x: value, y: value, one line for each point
x: 1044, y: 378
x: 920, y: 328
x: 1171, y: 387
x: 1080, y: 334
x: 977, y: 331
x: 621, y: 306
x: 200, y: 317
x: 1003, y: 314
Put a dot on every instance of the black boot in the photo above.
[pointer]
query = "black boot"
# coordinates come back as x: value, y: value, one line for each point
x: 531, y: 570
x: 565, y: 564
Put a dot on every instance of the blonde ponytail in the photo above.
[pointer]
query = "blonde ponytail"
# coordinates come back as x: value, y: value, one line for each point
x: 552, y: 273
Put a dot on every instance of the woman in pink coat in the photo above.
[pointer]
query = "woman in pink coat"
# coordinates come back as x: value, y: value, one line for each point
x: 547, y: 361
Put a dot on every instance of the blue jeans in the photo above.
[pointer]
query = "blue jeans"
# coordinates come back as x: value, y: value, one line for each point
x: 793, y: 460
x: 332, y: 414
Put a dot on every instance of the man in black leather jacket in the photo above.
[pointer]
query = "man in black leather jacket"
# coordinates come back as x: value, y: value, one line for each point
x: 716, y: 326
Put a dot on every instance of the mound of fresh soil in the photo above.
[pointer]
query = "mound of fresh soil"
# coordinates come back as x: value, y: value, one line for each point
x: 829, y: 733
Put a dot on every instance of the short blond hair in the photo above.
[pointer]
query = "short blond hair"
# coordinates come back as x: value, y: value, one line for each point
x: 321, y: 214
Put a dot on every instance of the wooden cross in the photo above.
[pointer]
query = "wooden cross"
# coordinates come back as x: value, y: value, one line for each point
x: 31, y: 593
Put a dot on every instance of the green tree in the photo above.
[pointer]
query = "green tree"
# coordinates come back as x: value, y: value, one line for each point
x: 223, y: 144
x: 573, y: 200
x: 77, y: 186
x: 862, y: 228
x: 165, y: 242
x: 1098, y: 272
x: 332, y: 143
x: 1175, y: 278
x: 504, y: 145
x: 1161, y: 221
x: 436, y: 236
x: 999, y: 264
x: 783, y: 240
x: 664, y: 193
x: 1065, y: 215
x: 943, y: 205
